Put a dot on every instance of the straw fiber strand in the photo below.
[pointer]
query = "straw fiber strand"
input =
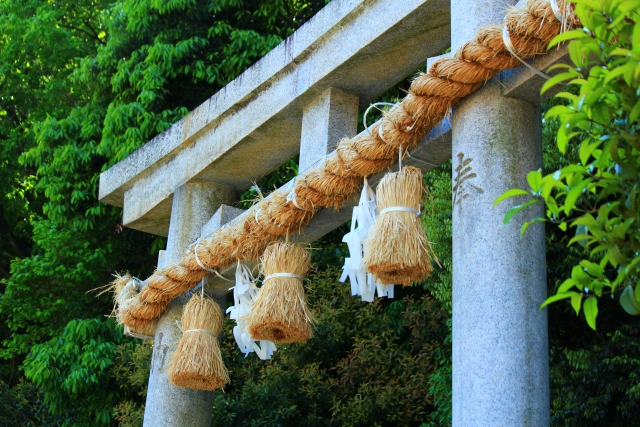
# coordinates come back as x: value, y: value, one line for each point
x: 429, y: 100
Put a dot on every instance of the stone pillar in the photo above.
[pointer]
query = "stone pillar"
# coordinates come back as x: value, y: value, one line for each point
x: 169, y: 406
x: 327, y: 119
x: 500, y: 346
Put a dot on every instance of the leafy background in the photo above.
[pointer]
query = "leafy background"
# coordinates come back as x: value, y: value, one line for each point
x: 84, y: 83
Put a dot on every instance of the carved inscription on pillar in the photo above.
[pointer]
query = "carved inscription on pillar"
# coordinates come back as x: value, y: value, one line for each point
x: 464, y: 175
x: 159, y: 354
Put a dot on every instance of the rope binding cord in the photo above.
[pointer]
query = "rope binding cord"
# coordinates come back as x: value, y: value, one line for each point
x: 401, y: 209
x: 274, y: 275
x: 374, y: 105
x: 195, y: 252
x: 200, y: 330
x: 291, y: 197
x: 509, y: 45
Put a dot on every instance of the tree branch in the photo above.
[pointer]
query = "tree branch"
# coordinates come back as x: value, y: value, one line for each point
x: 90, y: 34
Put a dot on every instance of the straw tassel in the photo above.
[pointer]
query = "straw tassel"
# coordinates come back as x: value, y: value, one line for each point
x: 244, y: 292
x: 397, y: 250
x: 126, y: 296
x: 363, y: 218
x: 280, y: 313
x: 197, y: 362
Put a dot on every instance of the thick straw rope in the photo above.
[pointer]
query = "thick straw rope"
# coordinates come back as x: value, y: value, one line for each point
x: 430, y: 99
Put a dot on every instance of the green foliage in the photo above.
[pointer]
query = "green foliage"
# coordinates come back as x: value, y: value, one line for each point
x: 73, y: 371
x: 598, y: 194
x: 22, y: 406
x: 437, y: 222
x: 131, y: 370
x: 370, y: 370
x: 83, y: 84
x: 597, y: 383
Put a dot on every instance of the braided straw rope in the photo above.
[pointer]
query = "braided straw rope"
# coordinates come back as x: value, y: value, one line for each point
x: 430, y: 99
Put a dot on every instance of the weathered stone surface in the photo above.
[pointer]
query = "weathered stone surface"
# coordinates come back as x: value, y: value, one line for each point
x: 162, y: 258
x: 253, y: 124
x: 166, y: 405
x: 327, y: 119
x: 500, y: 350
x: 223, y: 215
x: 522, y: 83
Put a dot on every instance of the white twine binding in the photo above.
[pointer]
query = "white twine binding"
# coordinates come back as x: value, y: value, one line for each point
x: 363, y: 218
x: 364, y: 118
x: 271, y: 276
x: 130, y: 333
x: 401, y: 209
x: 507, y: 43
x: 195, y: 252
x: 291, y: 197
x: 421, y: 161
x: 195, y: 330
x: 201, y: 330
x: 557, y: 12
x: 244, y: 293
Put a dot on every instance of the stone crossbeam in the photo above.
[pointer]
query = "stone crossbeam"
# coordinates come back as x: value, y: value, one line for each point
x: 253, y: 125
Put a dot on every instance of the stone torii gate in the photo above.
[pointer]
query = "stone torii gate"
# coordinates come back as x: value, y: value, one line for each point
x: 302, y: 98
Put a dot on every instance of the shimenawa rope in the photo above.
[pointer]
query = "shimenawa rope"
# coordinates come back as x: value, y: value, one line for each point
x: 429, y: 100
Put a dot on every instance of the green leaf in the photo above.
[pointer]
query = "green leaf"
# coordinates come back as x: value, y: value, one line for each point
x: 574, y: 193
x: 528, y: 223
x: 635, y: 112
x: 534, y: 178
x: 568, y: 284
x: 567, y: 35
x: 635, y: 39
x: 510, y: 193
x: 618, y: 71
x: 576, y: 302
x: 628, y: 301
x: 592, y: 268
x: 514, y: 210
x: 586, y: 150
x: 591, y: 311
x: 558, y: 297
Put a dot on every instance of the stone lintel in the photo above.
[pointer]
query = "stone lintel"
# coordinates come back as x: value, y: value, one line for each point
x: 253, y: 125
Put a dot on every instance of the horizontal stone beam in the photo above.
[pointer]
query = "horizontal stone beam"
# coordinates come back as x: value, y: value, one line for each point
x: 523, y: 83
x: 253, y: 124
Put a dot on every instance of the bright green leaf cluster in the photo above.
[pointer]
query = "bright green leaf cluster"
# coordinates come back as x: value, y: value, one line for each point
x: 73, y: 370
x: 600, y: 194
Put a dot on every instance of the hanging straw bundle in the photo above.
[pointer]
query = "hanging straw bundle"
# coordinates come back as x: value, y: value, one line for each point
x: 396, y: 250
x: 197, y: 363
x: 280, y: 313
